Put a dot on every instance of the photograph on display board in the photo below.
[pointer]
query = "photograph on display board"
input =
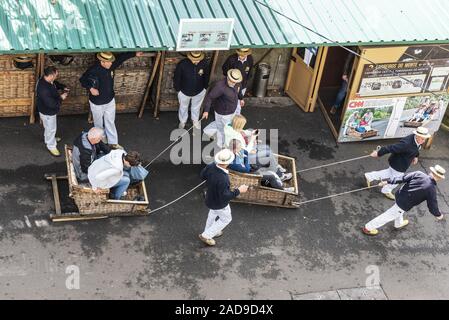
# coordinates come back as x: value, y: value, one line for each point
x: 392, y: 118
x: 366, y: 119
x: 427, y: 111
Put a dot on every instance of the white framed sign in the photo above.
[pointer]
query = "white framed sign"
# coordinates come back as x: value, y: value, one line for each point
x: 205, y: 34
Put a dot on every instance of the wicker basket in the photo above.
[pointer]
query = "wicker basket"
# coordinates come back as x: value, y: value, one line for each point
x: 131, y: 81
x: 16, y: 88
x: 91, y: 203
x: 257, y: 194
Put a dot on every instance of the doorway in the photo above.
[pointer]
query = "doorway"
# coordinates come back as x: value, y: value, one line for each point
x: 332, y: 90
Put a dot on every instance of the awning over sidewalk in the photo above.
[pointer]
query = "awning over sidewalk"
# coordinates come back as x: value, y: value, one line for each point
x: 93, y: 25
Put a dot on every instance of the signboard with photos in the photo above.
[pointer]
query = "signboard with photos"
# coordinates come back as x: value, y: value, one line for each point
x: 204, y: 34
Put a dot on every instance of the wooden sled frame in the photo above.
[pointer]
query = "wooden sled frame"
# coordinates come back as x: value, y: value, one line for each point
x: 416, y: 124
x: 261, y: 195
x: 102, y: 207
x: 367, y: 134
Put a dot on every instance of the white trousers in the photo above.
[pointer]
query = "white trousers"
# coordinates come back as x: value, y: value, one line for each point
x: 385, y: 174
x: 394, y: 213
x: 104, y: 117
x: 239, y: 107
x: 50, y: 126
x: 217, y: 220
x: 221, y: 121
x: 184, y: 101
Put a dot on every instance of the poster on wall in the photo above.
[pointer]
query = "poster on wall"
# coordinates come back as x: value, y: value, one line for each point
x: 366, y: 119
x: 408, y: 78
x: 372, y: 119
x: 204, y: 34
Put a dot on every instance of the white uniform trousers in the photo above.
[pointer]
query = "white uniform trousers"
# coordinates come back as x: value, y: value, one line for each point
x: 217, y: 220
x: 50, y: 126
x: 221, y: 121
x: 104, y: 117
x: 394, y: 213
x: 239, y: 107
x: 184, y: 101
x: 385, y: 174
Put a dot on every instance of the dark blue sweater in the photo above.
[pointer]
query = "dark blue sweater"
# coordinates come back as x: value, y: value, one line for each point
x: 191, y: 79
x: 102, y: 79
x: 218, y: 187
x: 48, y: 99
x: 402, y: 153
x: 418, y: 187
x: 233, y: 62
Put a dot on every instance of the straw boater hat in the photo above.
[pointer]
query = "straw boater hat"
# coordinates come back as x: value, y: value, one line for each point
x: 224, y: 156
x: 438, y: 171
x: 243, y: 51
x: 23, y: 62
x: 235, y: 75
x: 195, y: 56
x: 422, y: 132
x: 106, y: 56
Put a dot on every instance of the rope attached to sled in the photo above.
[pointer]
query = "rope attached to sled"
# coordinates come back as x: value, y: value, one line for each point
x: 338, y: 162
x: 177, y: 199
x: 335, y: 195
x: 171, y: 145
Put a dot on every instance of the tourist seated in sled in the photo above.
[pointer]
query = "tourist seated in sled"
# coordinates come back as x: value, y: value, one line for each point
x: 365, y: 122
x: 418, y: 116
x: 116, y: 171
x: 272, y: 178
x: 351, y: 123
x: 258, y: 154
x: 87, y: 148
x: 430, y: 110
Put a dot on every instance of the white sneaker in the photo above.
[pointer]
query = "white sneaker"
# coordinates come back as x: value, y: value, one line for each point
x: 290, y: 189
x: 281, y: 169
x: 181, y: 125
x: 368, y: 181
x: 197, y: 125
x: 286, y: 176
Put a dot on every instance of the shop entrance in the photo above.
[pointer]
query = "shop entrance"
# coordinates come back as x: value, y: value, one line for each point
x: 331, y: 92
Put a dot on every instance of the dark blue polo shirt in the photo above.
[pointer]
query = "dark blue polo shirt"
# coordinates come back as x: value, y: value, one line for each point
x: 402, y: 153
x: 418, y: 187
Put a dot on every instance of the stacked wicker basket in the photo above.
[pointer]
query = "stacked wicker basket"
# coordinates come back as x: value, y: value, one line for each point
x: 16, y: 87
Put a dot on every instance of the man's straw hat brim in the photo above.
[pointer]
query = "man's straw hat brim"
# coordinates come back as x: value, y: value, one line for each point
x: 195, y: 56
x: 422, y: 132
x: 243, y: 51
x: 235, y: 75
x: 224, y: 156
x: 438, y: 171
x: 106, y: 56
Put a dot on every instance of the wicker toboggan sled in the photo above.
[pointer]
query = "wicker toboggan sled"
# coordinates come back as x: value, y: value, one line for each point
x: 364, y: 135
x: 93, y: 205
x: 258, y: 194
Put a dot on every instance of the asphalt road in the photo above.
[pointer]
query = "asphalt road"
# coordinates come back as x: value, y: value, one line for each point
x: 265, y: 253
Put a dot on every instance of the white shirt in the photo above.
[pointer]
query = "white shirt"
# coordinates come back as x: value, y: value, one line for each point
x: 244, y: 60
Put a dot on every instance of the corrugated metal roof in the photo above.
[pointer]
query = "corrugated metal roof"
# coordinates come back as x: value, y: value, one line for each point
x: 92, y: 25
